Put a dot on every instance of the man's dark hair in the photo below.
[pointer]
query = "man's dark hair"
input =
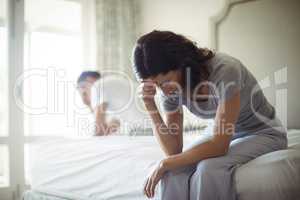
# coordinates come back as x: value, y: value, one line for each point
x: 84, y: 75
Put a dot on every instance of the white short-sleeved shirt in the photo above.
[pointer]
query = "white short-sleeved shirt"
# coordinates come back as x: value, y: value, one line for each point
x: 122, y: 101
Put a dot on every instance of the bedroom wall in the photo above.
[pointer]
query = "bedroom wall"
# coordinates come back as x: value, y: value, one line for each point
x: 264, y: 34
x: 189, y: 17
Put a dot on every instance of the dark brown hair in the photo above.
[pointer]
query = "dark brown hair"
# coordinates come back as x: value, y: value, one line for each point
x: 163, y: 51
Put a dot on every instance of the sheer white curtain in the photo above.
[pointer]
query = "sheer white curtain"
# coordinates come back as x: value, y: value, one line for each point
x: 117, y: 29
x: 89, y: 36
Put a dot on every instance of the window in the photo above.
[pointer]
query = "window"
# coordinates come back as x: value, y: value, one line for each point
x: 53, y: 60
x: 53, y: 43
x: 4, y: 72
x: 4, y: 116
x: 4, y: 166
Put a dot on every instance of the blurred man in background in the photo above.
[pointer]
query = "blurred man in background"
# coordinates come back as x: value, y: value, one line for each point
x: 85, y: 83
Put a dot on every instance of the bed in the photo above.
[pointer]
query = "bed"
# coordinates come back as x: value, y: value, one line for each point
x: 115, y: 168
x: 95, y: 168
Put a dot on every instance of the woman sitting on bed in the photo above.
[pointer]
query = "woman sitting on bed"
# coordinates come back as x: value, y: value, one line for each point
x: 210, y: 85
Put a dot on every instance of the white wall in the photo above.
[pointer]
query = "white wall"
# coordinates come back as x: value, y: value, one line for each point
x: 264, y: 34
x: 187, y: 17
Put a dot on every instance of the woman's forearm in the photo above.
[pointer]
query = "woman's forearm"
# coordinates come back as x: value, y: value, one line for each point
x: 168, y: 137
x: 219, y: 144
x: 200, y: 152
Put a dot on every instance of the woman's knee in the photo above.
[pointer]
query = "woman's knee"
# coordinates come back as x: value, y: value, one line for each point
x: 174, y: 184
x: 177, y: 175
x: 208, y: 169
x: 208, y: 165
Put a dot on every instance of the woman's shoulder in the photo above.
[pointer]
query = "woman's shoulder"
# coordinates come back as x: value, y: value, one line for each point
x: 223, y: 64
x: 224, y: 59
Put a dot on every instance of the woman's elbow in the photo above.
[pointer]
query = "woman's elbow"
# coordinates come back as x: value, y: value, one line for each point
x: 176, y: 150
x: 221, y: 145
x: 179, y: 148
x: 220, y: 148
x: 222, y: 151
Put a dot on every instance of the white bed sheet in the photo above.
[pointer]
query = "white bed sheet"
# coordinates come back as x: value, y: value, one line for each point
x: 95, y: 168
x: 115, y: 167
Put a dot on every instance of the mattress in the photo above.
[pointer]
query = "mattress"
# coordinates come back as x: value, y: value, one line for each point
x: 115, y: 167
x: 96, y: 168
x: 36, y: 195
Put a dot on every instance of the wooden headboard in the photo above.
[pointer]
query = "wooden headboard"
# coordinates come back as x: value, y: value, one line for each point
x: 264, y: 35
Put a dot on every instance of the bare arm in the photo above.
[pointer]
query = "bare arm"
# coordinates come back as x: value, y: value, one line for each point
x: 169, y: 134
x: 226, y: 116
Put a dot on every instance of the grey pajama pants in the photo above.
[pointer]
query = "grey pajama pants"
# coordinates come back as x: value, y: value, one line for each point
x: 213, y: 179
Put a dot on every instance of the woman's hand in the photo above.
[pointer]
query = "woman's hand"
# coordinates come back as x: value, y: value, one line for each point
x: 148, y: 92
x: 153, y: 179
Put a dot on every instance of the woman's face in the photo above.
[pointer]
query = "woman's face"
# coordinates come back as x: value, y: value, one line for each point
x: 170, y: 83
